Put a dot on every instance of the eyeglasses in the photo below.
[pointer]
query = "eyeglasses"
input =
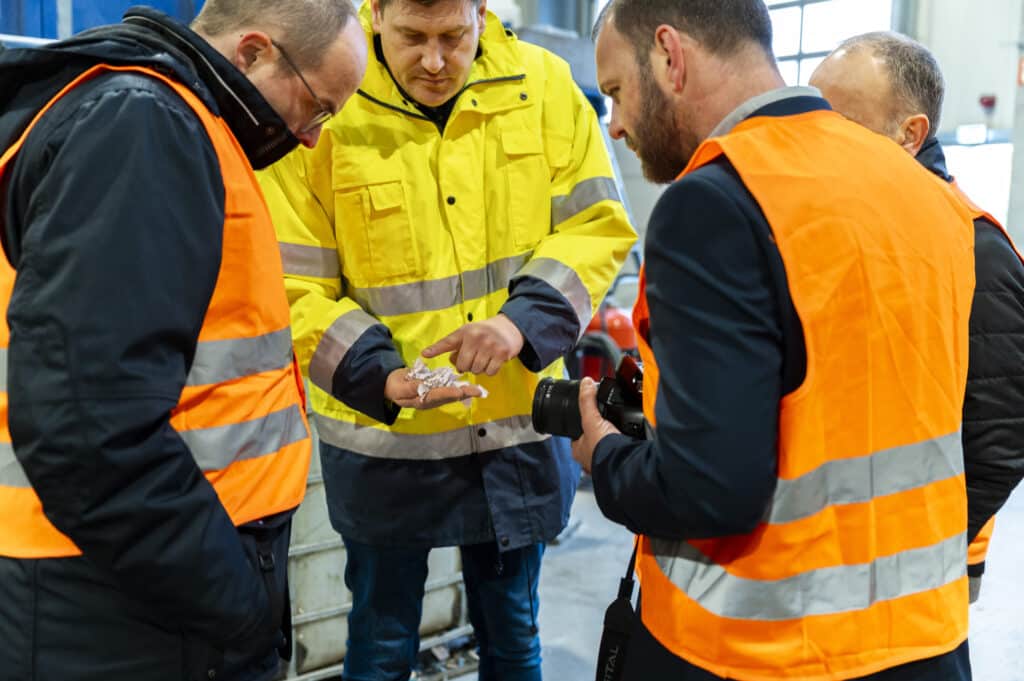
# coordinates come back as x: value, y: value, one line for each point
x: 325, y: 114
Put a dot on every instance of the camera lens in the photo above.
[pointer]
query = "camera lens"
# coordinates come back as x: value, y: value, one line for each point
x: 556, y: 408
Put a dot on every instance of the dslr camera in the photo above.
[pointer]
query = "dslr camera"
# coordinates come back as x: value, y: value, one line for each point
x: 556, y: 404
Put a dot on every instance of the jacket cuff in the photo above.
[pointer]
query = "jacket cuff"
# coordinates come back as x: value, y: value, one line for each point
x: 601, y: 466
x: 547, y: 320
x: 361, y: 376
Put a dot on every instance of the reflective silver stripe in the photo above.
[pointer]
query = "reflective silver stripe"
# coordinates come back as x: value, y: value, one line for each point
x: 564, y: 280
x: 215, y: 449
x: 438, y: 294
x: 383, y: 444
x: 825, y: 591
x: 584, y: 195
x: 310, y: 261
x: 341, y: 336
x: 11, y: 472
x: 226, y: 360
x: 851, y: 481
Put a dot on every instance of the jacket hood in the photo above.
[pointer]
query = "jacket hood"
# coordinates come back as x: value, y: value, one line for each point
x: 30, y: 77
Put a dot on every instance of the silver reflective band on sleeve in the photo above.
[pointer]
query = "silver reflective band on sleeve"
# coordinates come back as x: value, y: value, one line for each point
x: 335, y: 344
x: 438, y: 294
x: 852, y: 481
x: 310, y: 261
x: 11, y: 472
x: 226, y: 360
x: 563, y: 279
x: 584, y: 195
x: 215, y: 449
x: 825, y: 591
x: 3, y: 369
x: 383, y: 444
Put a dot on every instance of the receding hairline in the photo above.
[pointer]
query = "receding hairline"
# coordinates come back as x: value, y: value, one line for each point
x: 307, y: 28
x: 912, y: 72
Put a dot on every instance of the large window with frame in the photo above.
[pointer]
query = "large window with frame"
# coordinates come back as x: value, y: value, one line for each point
x: 39, y: 18
x: 807, y: 30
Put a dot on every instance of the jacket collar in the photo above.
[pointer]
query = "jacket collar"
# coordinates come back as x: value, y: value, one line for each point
x: 785, y: 101
x: 933, y: 158
x: 262, y: 134
x: 496, y: 77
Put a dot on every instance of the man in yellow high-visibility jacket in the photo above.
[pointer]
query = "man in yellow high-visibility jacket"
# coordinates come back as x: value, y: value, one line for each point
x: 461, y: 209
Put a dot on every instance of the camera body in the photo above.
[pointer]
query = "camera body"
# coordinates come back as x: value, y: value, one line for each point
x: 556, y: 404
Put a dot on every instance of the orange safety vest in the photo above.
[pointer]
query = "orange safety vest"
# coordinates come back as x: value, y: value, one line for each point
x: 860, y: 564
x: 241, y: 412
x: 978, y: 550
x: 979, y: 213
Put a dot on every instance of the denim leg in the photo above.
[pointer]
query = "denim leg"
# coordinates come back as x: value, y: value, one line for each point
x: 387, y: 604
x: 501, y: 590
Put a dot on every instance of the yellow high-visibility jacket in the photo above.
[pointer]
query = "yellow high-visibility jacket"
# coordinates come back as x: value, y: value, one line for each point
x: 394, y: 234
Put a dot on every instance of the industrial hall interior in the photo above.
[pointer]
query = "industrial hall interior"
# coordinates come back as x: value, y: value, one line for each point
x: 511, y: 340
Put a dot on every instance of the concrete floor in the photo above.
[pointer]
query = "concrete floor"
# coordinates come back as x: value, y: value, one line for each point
x: 581, y: 576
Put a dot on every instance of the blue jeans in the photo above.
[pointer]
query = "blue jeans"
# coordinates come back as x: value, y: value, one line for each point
x: 387, y: 605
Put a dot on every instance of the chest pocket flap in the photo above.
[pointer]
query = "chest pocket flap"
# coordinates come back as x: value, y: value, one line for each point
x: 372, y: 221
x: 386, y: 196
x: 528, y: 187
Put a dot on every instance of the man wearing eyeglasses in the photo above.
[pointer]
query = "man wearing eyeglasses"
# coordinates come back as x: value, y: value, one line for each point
x: 153, y: 443
x: 461, y: 210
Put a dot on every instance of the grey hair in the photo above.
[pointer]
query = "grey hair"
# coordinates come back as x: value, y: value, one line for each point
x: 723, y: 27
x: 306, y: 28
x: 914, y: 73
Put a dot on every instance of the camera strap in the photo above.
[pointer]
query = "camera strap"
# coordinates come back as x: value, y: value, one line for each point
x: 619, y: 620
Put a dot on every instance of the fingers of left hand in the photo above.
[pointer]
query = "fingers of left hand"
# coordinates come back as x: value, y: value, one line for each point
x: 494, y: 367
x: 588, y: 399
x: 480, y: 363
x: 464, y: 360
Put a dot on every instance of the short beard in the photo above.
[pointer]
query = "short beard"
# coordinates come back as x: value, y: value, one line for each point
x: 663, y: 145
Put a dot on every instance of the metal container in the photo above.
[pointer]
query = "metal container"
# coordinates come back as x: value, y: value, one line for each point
x: 321, y: 602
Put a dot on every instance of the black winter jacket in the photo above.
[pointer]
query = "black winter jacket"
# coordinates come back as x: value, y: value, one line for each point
x: 112, y: 215
x: 994, y: 404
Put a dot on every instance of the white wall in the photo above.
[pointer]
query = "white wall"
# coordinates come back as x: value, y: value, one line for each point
x: 975, y: 42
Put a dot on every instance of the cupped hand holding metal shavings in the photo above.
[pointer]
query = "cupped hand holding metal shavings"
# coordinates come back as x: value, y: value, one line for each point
x: 445, y: 377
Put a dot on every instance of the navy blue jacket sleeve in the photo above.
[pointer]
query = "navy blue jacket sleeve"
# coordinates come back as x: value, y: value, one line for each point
x: 546, y: 319
x: 118, y: 200
x: 994, y: 404
x: 360, y: 379
x: 710, y: 469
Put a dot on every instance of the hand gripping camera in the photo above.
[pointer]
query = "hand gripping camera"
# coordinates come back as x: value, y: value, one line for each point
x: 556, y: 404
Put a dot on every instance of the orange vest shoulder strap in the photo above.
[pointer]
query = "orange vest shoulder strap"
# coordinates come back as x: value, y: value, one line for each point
x: 190, y: 98
x: 980, y: 213
x: 642, y: 325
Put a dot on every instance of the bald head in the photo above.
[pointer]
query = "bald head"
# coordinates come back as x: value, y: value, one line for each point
x: 887, y: 83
